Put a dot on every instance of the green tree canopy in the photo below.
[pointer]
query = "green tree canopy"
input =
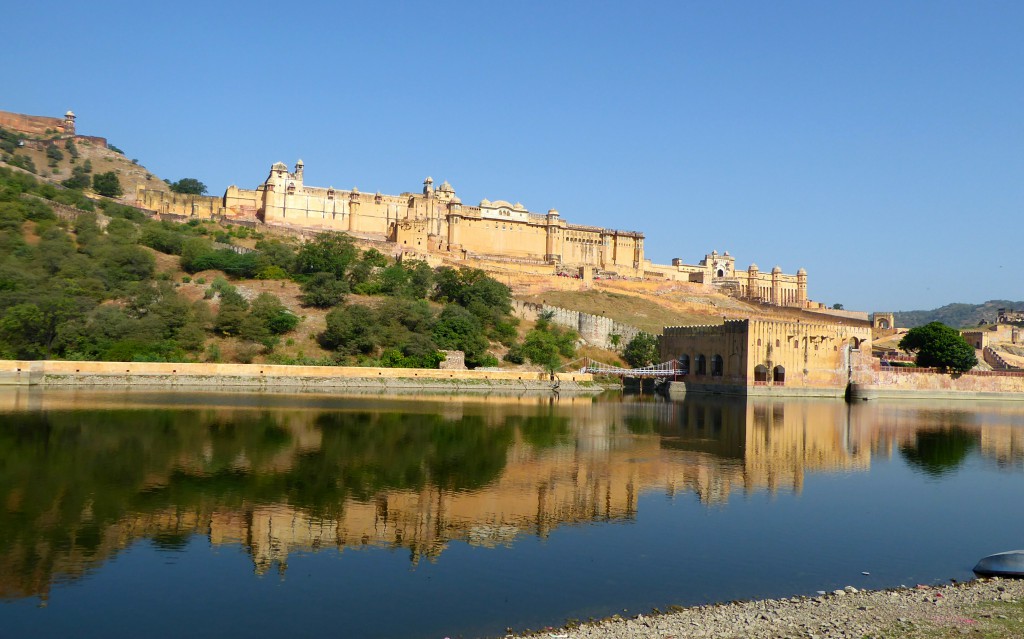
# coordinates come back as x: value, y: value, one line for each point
x: 188, y: 186
x: 324, y: 290
x: 107, y: 184
x: 327, y: 253
x: 938, y: 345
x: 641, y: 351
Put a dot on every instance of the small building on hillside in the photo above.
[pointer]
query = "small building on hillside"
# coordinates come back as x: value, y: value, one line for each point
x: 767, y: 357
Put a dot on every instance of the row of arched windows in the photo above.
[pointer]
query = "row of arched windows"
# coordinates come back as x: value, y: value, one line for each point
x: 716, y: 367
x: 701, y: 365
x: 778, y: 374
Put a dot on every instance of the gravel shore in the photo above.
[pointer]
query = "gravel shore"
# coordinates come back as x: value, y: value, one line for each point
x: 980, y: 608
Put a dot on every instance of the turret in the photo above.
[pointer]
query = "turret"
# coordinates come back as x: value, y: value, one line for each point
x: 69, y: 123
x: 776, y: 288
x: 552, y: 250
x: 428, y: 186
x: 801, y: 286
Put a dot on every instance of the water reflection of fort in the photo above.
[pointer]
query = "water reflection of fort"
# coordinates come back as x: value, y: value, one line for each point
x: 564, y: 463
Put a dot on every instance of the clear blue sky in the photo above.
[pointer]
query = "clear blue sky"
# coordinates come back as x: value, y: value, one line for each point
x: 879, y: 145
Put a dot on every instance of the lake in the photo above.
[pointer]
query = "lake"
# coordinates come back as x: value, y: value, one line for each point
x: 125, y: 513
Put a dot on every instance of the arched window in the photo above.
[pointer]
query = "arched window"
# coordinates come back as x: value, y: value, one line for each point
x: 721, y: 273
x: 717, y: 366
x: 779, y: 375
x: 702, y: 365
x: 778, y: 343
x: 760, y: 374
x: 683, y: 364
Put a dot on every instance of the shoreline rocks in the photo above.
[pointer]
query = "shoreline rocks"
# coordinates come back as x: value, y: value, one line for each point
x: 990, y: 607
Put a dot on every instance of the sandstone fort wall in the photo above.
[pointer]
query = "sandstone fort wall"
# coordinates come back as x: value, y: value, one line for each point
x: 596, y: 330
x: 259, y: 376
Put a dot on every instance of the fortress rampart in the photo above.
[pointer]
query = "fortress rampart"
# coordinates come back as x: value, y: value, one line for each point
x: 435, y: 222
x: 596, y: 330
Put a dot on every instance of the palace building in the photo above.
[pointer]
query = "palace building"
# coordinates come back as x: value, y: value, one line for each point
x: 759, y: 357
x: 435, y: 222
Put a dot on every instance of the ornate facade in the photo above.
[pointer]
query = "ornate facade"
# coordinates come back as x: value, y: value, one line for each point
x: 755, y: 357
x: 435, y: 221
x: 432, y: 221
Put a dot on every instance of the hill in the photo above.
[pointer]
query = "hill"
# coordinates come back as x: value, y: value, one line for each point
x: 956, y: 315
x: 36, y: 145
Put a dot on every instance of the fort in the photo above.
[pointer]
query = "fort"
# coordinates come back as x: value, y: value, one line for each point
x: 39, y: 126
x: 435, y: 224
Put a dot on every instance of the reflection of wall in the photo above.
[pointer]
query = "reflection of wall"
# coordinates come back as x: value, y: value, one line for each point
x: 593, y: 469
x: 885, y: 427
x: 774, y: 443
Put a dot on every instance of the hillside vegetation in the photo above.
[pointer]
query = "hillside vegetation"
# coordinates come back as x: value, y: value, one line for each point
x: 110, y: 283
x: 59, y: 160
x: 957, y: 315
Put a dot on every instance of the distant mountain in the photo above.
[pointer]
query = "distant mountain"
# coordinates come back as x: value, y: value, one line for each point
x: 956, y: 315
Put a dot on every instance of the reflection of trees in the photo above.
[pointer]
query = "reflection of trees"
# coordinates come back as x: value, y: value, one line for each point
x: 542, y: 431
x: 68, y: 480
x: 940, y: 452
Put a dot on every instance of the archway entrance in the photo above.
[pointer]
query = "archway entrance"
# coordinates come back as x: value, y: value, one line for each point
x: 779, y: 375
x: 760, y: 374
x: 717, y: 366
x: 683, y: 364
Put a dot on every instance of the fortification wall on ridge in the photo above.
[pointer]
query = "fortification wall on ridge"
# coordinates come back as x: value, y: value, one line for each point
x: 596, y: 330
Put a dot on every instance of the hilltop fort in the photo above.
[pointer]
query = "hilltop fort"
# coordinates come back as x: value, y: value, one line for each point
x: 435, y: 224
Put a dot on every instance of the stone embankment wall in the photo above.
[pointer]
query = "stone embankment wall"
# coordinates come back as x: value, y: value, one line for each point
x: 594, y: 329
x: 928, y: 383
x: 260, y: 377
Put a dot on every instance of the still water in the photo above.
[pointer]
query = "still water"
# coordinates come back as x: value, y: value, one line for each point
x: 219, y: 515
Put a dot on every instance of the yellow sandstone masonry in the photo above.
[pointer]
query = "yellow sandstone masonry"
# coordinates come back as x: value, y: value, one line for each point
x: 13, y: 372
x: 435, y: 224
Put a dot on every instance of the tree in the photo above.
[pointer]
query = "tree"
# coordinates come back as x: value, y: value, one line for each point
x: 79, y: 179
x: 327, y: 253
x: 323, y: 290
x: 273, y: 314
x: 188, y: 186
x: 641, y: 351
x: 107, y: 184
x: 458, y: 329
x: 541, y: 348
x: 350, y: 330
x: 938, y: 345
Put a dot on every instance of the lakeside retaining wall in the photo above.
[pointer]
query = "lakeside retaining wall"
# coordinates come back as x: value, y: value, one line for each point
x: 908, y: 383
x: 593, y: 329
x: 258, y: 376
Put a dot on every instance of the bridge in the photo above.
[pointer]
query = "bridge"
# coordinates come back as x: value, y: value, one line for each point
x: 665, y: 369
